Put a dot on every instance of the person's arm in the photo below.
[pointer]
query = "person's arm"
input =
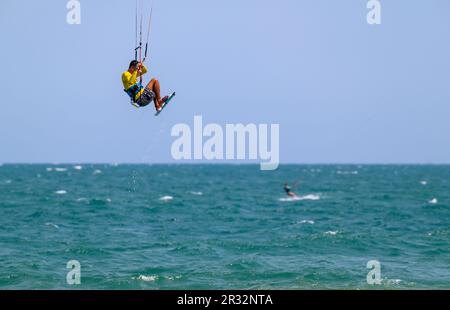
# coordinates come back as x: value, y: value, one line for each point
x: 133, y: 77
x: 142, y: 69
x: 129, y: 79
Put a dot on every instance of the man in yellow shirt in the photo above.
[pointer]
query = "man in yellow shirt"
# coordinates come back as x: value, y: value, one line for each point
x: 140, y: 95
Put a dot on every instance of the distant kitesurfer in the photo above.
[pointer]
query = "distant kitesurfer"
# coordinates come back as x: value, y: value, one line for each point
x: 288, y: 190
x: 139, y: 95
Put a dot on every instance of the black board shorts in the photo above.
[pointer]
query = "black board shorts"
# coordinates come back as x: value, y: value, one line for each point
x: 146, y: 97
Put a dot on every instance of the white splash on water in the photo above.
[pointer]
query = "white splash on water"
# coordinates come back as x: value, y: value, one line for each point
x: 197, y: 193
x: 306, y: 222
x: 147, y: 278
x: 300, y: 198
x: 393, y: 281
x: 52, y: 225
x: 171, y: 278
x: 166, y: 198
x: 61, y: 192
x: 433, y: 201
x: 331, y: 233
x: 310, y: 197
x: 347, y: 172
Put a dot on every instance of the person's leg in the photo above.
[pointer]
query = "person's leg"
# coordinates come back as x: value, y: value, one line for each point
x: 154, y: 86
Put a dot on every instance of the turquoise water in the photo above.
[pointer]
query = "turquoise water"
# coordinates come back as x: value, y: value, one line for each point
x: 224, y: 226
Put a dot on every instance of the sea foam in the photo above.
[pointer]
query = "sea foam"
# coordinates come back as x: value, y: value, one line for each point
x: 166, y: 198
x: 306, y: 222
x: 331, y: 233
x: 300, y: 198
x: 197, y: 193
x: 347, y: 172
x: 52, y: 225
x: 147, y: 278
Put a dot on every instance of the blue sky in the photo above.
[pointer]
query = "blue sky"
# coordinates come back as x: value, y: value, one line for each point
x: 342, y: 91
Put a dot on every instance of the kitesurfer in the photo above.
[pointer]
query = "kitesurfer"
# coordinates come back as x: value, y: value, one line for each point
x: 288, y: 190
x: 139, y: 95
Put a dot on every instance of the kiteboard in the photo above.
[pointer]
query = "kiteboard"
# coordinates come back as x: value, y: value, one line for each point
x: 165, y: 103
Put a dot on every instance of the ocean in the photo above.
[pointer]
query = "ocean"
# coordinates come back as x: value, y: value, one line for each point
x: 224, y: 226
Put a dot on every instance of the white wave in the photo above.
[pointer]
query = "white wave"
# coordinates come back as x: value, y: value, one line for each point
x: 289, y: 199
x: 197, y: 193
x: 49, y: 169
x: 306, y: 222
x: 331, y: 233
x: 147, y: 278
x: 60, y: 169
x: 171, y: 278
x: 61, y: 192
x: 347, y: 172
x: 299, y: 198
x: 52, y: 225
x: 423, y: 182
x: 392, y: 281
x: 97, y: 171
x: 78, y: 167
x: 82, y: 199
x: 433, y: 201
x: 310, y: 197
x: 166, y: 198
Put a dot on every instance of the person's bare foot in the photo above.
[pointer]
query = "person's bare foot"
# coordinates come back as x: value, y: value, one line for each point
x: 160, y: 103
x: 158, y: 106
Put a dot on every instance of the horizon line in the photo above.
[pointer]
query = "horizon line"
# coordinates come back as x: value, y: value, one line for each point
x: 229, y: 163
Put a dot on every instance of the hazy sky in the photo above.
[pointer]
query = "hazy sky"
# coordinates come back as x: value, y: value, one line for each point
x: 341, y: 90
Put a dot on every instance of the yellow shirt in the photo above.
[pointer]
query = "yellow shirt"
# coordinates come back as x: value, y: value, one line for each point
x: 129, y: 80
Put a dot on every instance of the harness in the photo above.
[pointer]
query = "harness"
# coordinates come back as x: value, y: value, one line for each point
x: 133, y: 91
